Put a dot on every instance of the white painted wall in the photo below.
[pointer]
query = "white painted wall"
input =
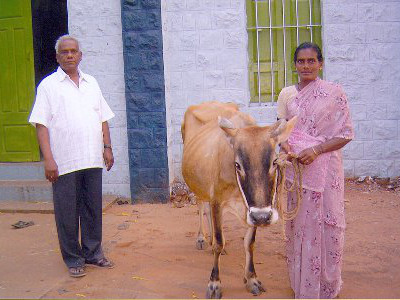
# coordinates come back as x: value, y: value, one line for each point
x: 362, y: 52
x: 97, y: 25
x: 205, y: 58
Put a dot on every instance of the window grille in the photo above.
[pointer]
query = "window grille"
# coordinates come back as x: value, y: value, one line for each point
x: 275, y: 28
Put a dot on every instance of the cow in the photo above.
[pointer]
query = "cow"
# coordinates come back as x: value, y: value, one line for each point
x: 228, y: 162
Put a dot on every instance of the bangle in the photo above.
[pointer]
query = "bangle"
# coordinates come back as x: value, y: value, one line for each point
x: 315, y: 152
x: 107, y: 146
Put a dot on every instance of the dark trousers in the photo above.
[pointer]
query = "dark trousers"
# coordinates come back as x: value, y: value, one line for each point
x: 77, y: 198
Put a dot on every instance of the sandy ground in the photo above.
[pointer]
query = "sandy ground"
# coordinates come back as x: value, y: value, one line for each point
x: 153, y: 246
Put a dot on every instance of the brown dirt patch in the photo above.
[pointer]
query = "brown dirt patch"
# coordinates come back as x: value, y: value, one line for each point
x: 153, y: 246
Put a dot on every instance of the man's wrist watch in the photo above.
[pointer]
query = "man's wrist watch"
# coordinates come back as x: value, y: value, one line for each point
x: 107, y: 146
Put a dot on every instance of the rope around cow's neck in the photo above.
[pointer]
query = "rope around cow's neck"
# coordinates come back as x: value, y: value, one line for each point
x: 282, y: 162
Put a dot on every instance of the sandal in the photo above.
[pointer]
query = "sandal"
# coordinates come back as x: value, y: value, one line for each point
x: 22, y: 224
x: 76, y: 272
x: 102, y: 263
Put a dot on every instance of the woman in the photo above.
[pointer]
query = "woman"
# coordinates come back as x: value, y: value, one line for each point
x: 315, y: 237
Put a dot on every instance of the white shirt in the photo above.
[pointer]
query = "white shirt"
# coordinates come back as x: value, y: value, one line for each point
x: 74, y: 117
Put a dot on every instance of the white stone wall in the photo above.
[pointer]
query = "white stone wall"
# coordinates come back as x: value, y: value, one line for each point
x: 205, y: 58
x: 362, y: 52
x: 98, y: 27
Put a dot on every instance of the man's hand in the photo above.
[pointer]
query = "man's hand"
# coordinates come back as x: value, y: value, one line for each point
x: 107, y: 154
x: 51, y: 170
x: 50, y: 166
x: 108, y: 158
x: 307, y: 156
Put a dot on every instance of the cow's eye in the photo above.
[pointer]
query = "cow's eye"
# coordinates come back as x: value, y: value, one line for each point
x: 237, y: 166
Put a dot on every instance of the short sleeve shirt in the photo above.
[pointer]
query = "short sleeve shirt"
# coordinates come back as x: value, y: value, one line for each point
x: 74, y: 117
x: 285, y: 96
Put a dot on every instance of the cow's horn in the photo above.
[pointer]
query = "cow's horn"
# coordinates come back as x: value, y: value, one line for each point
x: 225, y: 123
x: 228, y: 127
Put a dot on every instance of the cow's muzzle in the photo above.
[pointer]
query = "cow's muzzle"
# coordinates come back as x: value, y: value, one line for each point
x: 262, y: 216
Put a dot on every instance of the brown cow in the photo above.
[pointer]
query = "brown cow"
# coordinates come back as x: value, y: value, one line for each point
x: 228, y: 162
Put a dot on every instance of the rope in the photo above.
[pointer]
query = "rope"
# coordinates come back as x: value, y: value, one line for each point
x: 282, y: 162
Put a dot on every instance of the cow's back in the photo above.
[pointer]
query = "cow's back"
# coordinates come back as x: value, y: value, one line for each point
x: 197, y: 116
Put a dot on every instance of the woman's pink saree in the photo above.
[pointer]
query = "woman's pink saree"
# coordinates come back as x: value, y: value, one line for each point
x: 315, y: 238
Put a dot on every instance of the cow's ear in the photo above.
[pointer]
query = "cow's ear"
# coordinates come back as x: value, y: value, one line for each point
x: 281, y: 134
x: 227, y: 126
x: 276, y: 125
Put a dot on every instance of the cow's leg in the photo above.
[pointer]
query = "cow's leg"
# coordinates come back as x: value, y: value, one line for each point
x: 253, y: 285
x: 207, y: 212
x: 214, y: 285
x: 201, y: 241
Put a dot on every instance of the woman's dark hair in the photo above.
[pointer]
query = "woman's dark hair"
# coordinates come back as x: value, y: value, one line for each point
x: 307, y: 45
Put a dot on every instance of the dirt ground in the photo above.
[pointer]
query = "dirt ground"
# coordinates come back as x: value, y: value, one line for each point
x: 153, y: 246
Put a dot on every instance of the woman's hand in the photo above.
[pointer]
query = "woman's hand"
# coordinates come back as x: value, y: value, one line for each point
x: 307, y: 156
x: 285, y: 148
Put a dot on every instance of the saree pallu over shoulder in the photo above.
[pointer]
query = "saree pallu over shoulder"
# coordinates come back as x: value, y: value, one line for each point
x: 322, y: 111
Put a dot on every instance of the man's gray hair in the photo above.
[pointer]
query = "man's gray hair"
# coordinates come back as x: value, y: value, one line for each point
x: 66, y: 37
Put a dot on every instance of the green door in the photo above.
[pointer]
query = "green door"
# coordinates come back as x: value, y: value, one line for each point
x: 17, y: 88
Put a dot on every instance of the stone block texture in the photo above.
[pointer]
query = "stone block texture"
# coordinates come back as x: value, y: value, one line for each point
x: 145, y: 100
x: 205, y: 59
x: 362, y: 52
x: 169, y: 54
x: 99, y: 30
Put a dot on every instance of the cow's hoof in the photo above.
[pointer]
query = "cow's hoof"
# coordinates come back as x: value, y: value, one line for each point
x: 201, y: 244
x: 254, y: 286
x: 214, y: 290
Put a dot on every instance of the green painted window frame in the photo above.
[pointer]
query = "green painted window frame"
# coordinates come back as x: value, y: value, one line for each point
x: 285, y: 38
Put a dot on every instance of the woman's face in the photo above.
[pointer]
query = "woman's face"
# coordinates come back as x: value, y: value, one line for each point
x: 307, y: 64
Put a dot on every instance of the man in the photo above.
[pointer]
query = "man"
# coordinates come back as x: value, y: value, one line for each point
x: 70, y: 115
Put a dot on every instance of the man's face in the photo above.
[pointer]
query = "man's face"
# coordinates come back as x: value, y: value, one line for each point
x: 69, y: 56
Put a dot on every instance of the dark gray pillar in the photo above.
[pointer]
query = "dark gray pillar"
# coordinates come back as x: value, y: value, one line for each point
x: 145, y: 106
